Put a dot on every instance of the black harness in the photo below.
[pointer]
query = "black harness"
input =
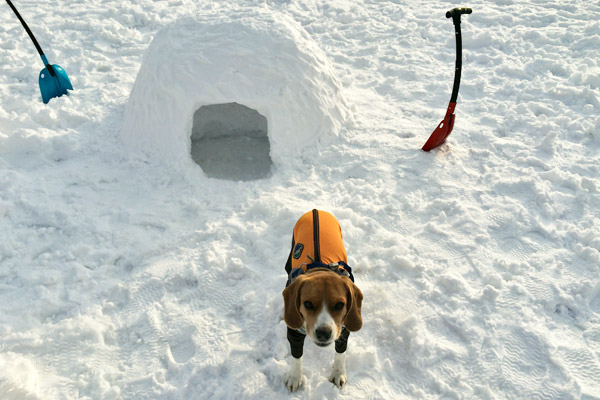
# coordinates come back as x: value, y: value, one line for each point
x: 340, y: 268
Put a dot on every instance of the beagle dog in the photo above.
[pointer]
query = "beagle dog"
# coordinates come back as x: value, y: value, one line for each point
x: 320, y: 297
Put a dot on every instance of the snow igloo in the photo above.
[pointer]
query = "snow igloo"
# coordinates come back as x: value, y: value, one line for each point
x: 238, y: 95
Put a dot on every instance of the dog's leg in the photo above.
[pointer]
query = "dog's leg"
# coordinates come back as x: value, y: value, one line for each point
x: 338, y: 371
x: 293, y: 379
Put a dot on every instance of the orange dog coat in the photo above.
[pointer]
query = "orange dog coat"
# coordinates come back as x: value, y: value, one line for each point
x: 317, y: 238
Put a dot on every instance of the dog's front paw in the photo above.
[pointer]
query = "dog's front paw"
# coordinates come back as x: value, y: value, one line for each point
x: 293, y: 379
x: 338, y: 378
x: 338, y: 371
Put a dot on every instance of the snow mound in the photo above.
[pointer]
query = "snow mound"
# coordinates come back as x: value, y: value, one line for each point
x: 264, y: 62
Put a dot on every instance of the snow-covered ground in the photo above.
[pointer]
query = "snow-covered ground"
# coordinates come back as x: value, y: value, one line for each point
x: 126, y: 275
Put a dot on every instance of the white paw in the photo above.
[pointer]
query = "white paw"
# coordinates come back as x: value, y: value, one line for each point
x: 338, y: 378
x: 338, y: 370
x: 293, y: 379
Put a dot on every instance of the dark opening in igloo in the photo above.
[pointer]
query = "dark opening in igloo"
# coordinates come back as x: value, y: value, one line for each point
x: 230, y: 141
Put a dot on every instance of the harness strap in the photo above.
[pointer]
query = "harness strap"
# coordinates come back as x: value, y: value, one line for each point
x: 340, y: 268
x: 316, y: 238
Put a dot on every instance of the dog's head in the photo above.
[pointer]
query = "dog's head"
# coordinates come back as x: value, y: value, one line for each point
x: 322, y: 302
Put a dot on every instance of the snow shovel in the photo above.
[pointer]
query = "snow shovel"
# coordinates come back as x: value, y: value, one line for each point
x: 442, y: 131
x: 54, y: 81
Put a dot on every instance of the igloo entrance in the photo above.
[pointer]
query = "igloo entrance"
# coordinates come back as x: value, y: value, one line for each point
x: 230, y: 141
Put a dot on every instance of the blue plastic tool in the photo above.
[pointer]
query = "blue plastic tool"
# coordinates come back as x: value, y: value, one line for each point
x: 53, y: 80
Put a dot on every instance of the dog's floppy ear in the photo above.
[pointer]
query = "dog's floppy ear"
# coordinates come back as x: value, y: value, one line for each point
x: 353, y: 320
x: 291, y: 303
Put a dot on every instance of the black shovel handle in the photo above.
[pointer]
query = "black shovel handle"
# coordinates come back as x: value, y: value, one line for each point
x: 455, y: 14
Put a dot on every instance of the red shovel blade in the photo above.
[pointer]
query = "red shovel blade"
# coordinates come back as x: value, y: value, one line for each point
x: 442, y: 131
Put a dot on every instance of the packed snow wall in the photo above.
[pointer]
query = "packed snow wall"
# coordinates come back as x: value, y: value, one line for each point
x: 212, y: 87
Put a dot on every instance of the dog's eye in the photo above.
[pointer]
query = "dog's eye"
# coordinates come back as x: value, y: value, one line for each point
x: 338, y: 306
x: 309, y: 305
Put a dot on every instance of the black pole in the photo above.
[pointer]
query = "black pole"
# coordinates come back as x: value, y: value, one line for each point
x: 455, y: 15
x: 458, y: 66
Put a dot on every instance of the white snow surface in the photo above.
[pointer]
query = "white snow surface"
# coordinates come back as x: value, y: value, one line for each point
x: 128, y: 274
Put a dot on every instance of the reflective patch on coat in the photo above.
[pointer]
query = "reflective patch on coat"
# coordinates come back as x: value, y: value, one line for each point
x: 298, y: 250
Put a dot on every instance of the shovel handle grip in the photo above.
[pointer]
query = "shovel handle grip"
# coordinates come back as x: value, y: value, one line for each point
x: 457, y: 12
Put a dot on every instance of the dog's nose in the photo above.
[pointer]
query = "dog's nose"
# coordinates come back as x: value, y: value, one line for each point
x: 323, y: 334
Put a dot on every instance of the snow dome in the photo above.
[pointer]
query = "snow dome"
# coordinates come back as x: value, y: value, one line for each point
x: 236, y: 94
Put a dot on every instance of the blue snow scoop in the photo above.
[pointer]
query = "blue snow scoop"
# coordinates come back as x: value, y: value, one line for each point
x: 54, y: 81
